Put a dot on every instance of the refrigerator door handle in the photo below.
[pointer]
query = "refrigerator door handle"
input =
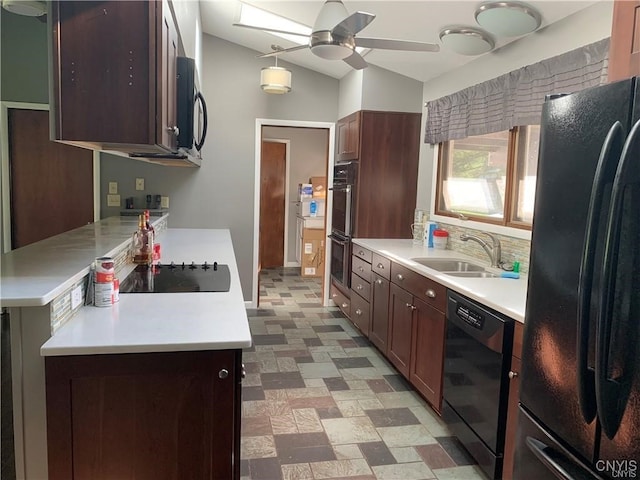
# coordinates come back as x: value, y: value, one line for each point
x: 612, y: 394
x: 604, y: 174
x: 561, y: 466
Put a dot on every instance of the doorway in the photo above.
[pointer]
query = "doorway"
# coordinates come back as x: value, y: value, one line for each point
x: 290, y: 228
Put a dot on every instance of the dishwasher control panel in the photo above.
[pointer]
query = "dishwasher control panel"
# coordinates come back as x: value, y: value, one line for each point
x: 470, y: 317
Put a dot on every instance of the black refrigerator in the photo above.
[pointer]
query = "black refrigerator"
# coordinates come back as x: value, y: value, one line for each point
x: 579, y: 414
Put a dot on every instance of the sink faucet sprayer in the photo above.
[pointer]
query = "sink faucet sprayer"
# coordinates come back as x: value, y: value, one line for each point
x: 494, y: 251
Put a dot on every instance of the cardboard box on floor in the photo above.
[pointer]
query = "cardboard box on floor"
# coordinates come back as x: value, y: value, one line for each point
x: 312, y: 261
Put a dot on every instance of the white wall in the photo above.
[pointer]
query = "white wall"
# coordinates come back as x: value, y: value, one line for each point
x: 582, y: 28
x: 350, y: 96
x: 308, y: 158
x: 387, y: 91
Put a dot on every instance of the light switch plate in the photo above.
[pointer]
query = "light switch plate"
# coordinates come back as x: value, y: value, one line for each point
x: 139, y: 183
x: 113, y: 187
x: 164, y: 202
x: 113, y: 200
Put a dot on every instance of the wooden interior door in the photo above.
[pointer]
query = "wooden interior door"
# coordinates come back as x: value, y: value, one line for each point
x: 272, y: 204
x: 51, y: 183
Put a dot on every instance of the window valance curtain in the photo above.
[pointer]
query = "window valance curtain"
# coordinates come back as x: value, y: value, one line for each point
x: 515, y: 98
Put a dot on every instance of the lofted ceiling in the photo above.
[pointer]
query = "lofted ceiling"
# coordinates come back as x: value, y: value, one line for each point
x: 404, y: 20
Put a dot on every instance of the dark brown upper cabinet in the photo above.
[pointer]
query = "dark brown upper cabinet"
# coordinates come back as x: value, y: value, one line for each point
x: 624, y: 49
x: 389, y: 144
x: 348, y: 137
x: 114, y: 75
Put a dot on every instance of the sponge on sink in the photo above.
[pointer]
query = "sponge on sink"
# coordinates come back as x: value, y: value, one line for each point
x: 510, y: 275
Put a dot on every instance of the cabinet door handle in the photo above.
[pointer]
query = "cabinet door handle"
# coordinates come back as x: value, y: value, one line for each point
x: 380, y: 266
x: 358, y: 312
x: 361, y: 269
x: 513, y: 375
x: 345, y: 305
x: 379, y: 282
x: 243, y: 373
x: 400, y: 277
x: 359, y: 287
x: 431, y: 293
x: 175, y: 130
x: 224, y: 373
x: 361, y: 253
x: 412, y: 307
x: 334, y: 295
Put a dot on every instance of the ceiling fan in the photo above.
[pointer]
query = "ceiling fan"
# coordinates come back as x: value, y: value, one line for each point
x: 333, y: 36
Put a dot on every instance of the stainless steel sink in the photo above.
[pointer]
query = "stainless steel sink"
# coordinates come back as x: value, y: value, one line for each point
x: 449, y: 264
x: 484, y: 274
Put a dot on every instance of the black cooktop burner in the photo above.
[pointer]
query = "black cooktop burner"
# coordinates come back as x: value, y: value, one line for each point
x: 181, y: 277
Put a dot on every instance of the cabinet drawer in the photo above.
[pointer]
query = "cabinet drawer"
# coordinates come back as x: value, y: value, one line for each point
x: 341, y: 301
x: 423, y: 288
x: 360, y: 314
x: 381, y: 265
x: 361, y: 287
x: 360, y: 267
x: 361, y: 252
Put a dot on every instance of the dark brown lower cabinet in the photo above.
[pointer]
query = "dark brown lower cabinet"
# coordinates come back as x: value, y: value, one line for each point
x: 147, y: 416
x: 379, y: 328
x: 360, y: 313
x: 400, y: 328
x: 428, y: 352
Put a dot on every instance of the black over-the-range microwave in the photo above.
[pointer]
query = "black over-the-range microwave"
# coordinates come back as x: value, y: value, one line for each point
x: 191, y: 113
x: 191, y: 107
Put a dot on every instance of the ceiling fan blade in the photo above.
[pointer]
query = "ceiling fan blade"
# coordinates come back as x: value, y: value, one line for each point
x: 356, y: 61
x: 389, y: 44
x: 284, y: 50
x: 353, y: 24
x: 273, y: 30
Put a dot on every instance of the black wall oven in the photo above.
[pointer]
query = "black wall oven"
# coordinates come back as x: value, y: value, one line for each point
x: 342, y: 223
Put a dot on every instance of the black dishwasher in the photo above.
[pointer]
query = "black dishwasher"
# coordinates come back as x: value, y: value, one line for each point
x: 478, y: 348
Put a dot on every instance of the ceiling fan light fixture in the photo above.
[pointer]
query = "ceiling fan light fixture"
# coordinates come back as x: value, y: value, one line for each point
x: 30, y: 8
x: 331, y: 14
x: 508, y: 19
x: 466, y: 40
x: 332, y: 52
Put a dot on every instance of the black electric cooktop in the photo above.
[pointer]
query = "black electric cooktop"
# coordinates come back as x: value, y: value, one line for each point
x: 171, y: 278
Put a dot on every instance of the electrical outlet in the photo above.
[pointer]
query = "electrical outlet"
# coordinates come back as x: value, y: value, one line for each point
x: 139, y: 183
x: 113, y: 188
x: 164, y: 202
x: 76, y: 297
x: 113, y: 200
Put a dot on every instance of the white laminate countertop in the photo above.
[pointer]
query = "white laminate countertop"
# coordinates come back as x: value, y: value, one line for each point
x: 164, y: 322
x: 36, y: 274
x: 505, y: 295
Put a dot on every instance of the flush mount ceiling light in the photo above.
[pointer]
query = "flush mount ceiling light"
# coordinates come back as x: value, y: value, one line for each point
x: 275, y: 79
x: 466, y: 40
x: 508, y: 19
x: 25, y: 7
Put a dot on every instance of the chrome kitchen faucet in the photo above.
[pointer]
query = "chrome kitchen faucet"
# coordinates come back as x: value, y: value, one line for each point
x: 494, y: 251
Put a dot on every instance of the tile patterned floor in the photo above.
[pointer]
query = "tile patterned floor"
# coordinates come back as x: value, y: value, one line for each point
x: 320, y: 402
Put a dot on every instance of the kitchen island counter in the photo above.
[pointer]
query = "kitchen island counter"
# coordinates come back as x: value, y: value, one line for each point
x: 505, y: 295
x: 165, y: 322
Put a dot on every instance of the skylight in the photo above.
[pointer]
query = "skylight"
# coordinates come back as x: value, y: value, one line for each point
x: 251, y: 16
